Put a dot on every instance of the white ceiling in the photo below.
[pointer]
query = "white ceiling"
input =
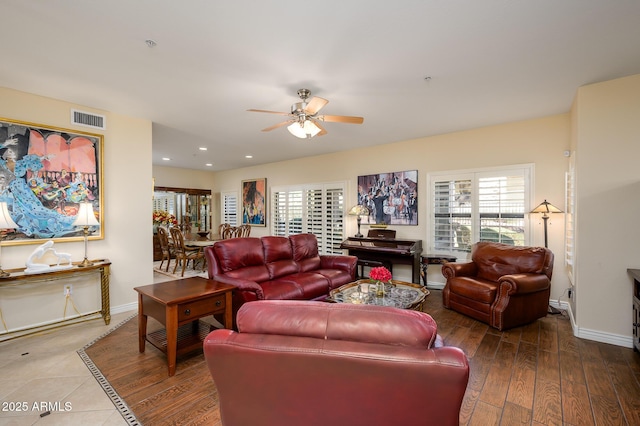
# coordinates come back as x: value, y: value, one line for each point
x: 489, y: 62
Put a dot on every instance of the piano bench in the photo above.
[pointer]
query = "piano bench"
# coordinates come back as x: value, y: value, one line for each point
x: 371, y: 264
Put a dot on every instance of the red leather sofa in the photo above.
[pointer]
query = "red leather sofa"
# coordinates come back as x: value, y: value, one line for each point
x: 276, y: 268
x: 317, y: 363
x: 504, y: 286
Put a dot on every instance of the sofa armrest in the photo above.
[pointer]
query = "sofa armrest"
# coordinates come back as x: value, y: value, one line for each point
x: 241, y: 285
x: 459, y: 269
x: 523, y: 283
x: 343, y: 262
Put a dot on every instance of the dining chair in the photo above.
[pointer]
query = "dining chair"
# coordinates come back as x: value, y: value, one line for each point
x: 221, y: 229
x: 231, y: 232
x: 245, y: 230
x: 165, y: 246
x: 184, y: 254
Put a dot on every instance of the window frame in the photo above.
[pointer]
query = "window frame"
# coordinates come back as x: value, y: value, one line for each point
x: 474, y: 175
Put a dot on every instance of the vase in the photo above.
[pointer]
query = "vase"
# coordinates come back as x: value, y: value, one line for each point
x: 379, y: 289
x: 155, y: 228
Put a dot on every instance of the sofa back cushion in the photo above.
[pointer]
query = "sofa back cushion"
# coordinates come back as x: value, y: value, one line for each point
x: 278, y: 256
x: 241, y: 258
x: 495, y: 260
x: 305, y: 251
x: 338, y: 321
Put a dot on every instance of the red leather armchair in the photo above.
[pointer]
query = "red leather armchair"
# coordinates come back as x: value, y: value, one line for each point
x: 317, y: 363
x: 504, y: 286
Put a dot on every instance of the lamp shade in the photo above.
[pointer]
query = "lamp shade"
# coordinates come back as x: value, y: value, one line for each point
x: 358, y: 210
x: 85, y: 216
x: 546, y: 207
x: 303, y: 131
x: 5, y: 218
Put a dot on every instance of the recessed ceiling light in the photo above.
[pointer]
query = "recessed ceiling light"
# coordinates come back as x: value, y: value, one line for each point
x: 166, y: 159
x: 151, y: 43
x: 203, y: 148
x: 208, y: 164
x: 248, y: 156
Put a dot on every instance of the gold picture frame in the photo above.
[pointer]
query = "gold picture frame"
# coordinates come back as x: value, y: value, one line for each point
x: 45, y: 173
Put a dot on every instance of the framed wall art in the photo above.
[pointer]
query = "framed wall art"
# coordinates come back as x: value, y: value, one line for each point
x: 45, y: 173
x: 254, y: 205
x: 392, y: 198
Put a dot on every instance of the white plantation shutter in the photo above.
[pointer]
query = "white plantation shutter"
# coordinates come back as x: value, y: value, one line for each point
x: 471, y: 206
x: 230, y: 208
x: 334, y: 219
x: 569, y: 217
x: 316, y: 209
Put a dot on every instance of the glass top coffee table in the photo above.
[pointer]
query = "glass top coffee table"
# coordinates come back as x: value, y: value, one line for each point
x: 398, y: 294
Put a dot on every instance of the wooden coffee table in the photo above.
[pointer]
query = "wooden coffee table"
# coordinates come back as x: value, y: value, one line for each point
x: 178, y: 305
x: 398, y: 294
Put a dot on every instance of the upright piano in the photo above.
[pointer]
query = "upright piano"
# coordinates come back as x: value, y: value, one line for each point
x: 387, y: 251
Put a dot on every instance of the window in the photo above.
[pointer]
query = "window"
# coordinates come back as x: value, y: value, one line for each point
x: 316, y: 209
x: 569, y: 217
x: 230, y: 208
x: 479, y: 205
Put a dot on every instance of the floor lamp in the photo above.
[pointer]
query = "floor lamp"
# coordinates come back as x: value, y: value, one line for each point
x: 85, y: 218
x: 545, y: 208
x: 5, y: 223
x: 359, y: 210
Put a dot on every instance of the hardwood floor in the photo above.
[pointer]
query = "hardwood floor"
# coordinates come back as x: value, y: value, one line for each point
x: 539, y: 374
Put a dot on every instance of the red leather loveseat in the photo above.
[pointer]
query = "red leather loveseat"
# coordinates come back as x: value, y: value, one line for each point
x: 318, y: 364
x: 277, y: 268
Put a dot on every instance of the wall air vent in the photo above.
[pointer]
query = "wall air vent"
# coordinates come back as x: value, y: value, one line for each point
x: 89, y: 120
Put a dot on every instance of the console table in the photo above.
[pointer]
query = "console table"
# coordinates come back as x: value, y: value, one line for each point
x: 18, y: 277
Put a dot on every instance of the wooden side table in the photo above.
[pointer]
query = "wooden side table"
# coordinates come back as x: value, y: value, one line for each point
x: 178, y: 305
x: 433, y: 259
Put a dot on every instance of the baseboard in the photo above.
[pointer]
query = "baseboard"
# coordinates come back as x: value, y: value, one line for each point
x: 588, y: 334
x: 133, y: 306
x: 435, y: 285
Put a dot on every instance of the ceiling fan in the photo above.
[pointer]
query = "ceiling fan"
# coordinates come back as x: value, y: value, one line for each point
x: 304, y: 120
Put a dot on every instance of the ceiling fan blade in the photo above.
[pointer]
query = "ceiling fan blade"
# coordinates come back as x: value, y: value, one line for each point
x: 270, y: 112
x: 315, y: 104
x: 322, y: 131
x: 340, y: 119
x: 275, y: 126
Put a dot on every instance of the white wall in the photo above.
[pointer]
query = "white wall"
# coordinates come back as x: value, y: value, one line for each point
x: 127, y: 209
x: 540, y: 141
x: 607, y: 119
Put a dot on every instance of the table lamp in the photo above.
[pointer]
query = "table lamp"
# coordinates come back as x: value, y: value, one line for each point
x: 85, y: 218
x: 359, y: 210
x: 5, y: 223
x: 545, y: 207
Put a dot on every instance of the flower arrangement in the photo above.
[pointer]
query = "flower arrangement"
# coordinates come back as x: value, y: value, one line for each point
x: 160, y: 217
x: 380, y: 273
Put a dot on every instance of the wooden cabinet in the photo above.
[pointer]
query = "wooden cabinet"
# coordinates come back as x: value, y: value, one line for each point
x: 635, y: 274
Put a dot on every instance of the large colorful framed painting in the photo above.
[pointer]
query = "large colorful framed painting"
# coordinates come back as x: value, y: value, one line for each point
x: 254, y: 206
x: 392, y: 198
x: 45, y: 173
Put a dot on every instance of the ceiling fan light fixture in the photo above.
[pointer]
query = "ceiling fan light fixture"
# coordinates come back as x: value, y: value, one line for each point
x: 305, y: 130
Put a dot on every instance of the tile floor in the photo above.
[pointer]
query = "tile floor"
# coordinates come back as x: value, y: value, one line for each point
x: 45, y: 368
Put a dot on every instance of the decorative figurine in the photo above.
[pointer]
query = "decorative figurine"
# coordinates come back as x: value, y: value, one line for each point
x: 39, y: 268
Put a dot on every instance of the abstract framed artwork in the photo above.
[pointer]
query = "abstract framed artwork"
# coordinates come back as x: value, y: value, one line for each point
x: 45, y: 173
x: 254, y: 206
x: 392, y: 198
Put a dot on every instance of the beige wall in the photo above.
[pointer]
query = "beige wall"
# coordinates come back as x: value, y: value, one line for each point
x: 541, y: 141
x: 127, y: 213
x: 607, y: 119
